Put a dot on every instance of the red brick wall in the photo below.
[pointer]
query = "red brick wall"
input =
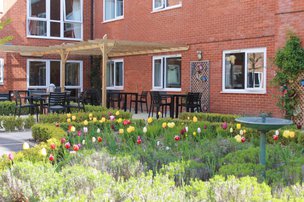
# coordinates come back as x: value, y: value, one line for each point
x: 15, y: 65
x: 210, y: 26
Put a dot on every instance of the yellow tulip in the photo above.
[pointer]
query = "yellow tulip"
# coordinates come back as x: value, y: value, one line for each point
x: 73, y: 118
x: 25, y: 146
x: 102, y: 120
x: 94, y: 119
x: 150, y: 120
x: 43, y: 152
x: 73, y: 129
x: 119, y: 120
x: 129, y: 130
x: 194, y: 134
x: 69, y: 120
x: 69, y: 115
x: 117, y: 113
x: 85, y: 123
x: 238, y: 126
x: 238, y: 138
x: 292, y: 134
x: 286, y: 133
x: 164, y: 125
x: 121, y: 131
x: 90, y: 115
x: 194, y: 119
x: 159, y: 113
x: 171, y: 125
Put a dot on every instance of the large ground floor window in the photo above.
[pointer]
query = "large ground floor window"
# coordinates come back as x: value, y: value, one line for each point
x: 115, y: 75
x: 244, y: 71
x: 42, y: 73
x: 167, y: 72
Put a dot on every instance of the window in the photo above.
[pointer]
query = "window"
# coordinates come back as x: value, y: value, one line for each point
x: 1, y: 70
x: 115, y: 74
x: 1, y: 6
x: 41, y: 73
x: 60, y: 19
x: 167, y: 72
x: 244, y: 70
x: 166, y: 4
x: 113, y: 9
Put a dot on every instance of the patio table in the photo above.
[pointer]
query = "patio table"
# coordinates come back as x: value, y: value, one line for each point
x: 41, y: 97
x: 174, y: 102
x: 126, y: 94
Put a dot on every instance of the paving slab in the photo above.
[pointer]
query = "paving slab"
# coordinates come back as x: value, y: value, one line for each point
x: 13, y: 141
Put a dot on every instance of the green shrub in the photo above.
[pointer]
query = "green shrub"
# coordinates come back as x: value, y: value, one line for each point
x: 7, y: 108
x: 29, y: 122
x: 43, y: 132
x: 80, y: 117
x: 242, y: 169
x: 211, y: 117
x: 9, y: 123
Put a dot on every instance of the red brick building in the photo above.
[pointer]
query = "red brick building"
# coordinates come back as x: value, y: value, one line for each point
x: 237, y: 40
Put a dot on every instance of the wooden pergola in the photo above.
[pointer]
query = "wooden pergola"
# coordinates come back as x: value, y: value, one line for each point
x: 100, y: 47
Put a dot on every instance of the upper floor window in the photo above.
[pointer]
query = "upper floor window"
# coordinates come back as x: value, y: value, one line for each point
x: 244, y: 70
x: 115, y: 74
x: 113, y: 9
x: 166, y: 4
x: 1, y: 70
x: 167, y: 72
x: 60, y: 19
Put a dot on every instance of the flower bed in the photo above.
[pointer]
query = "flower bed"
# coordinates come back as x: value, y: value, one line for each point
x: 180, y: 153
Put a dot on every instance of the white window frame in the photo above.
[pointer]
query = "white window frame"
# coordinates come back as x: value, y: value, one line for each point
x: 48, y: 73
x: 1, y: 6
x: 48, y: 21
x: 246, y: 90
x: 164, y: 7
x: 163, y: 59
x: 115, y: 15
x: 123, y: 75
x: 1, y: 71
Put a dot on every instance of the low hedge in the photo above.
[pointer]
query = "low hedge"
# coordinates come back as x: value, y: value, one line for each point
x: 211, y: 117
x: 81, y: 116
x: 44, y: 132
x: 11, y: 123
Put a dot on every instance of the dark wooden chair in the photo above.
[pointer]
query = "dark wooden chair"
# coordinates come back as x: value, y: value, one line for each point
x: 158, y: 102
x: 57, y: 102
x: 114, y: 97
x: 27, y: 104
x: 193, y: 102
x: 76, y: 104
x: 91, y: 96
x: 142, y: 99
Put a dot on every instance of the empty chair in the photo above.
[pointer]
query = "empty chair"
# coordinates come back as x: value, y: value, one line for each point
x: 28, y: 104
x: 57, y: 102
x: 142, y: 99
x: 77, y: 104
x: 158, y: 103
x: 193, y: 102
x: 114, y: 97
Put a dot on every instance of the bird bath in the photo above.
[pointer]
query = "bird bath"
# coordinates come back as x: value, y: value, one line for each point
x: 263, y: 124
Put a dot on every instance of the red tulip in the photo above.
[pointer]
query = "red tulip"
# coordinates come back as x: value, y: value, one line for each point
x: 75, y: 147
x: 67, y: 145
x: 177, y: 138
x: 299, y: 126
x: 53, y: 146
x: 205, y: 127
x: 183, y: 131
x: 126, y: 122
x: 138, y: 140
x: 63, y: 140
x: 243, y: 139
x: 57, y: 124
x: 113, y: 127
x: 51, y: 158
x: 275, y: 137
x: 99, y: 139
x: 224, y: 125
x: 70, y: 126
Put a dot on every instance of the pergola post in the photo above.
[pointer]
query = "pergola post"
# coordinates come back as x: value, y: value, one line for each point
x: 104, y: 58
x: 63, y: 55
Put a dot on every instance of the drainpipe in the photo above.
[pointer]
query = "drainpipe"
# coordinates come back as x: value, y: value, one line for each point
x: 92, y: 29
